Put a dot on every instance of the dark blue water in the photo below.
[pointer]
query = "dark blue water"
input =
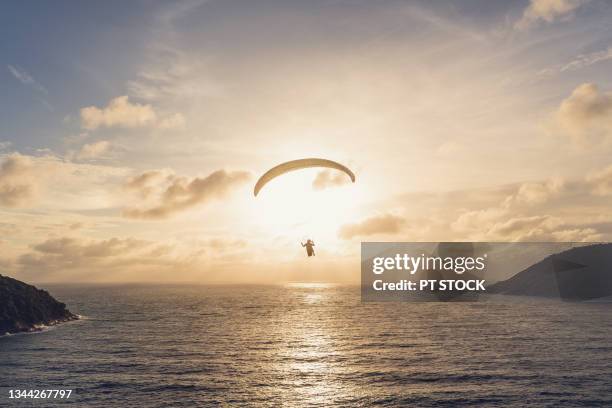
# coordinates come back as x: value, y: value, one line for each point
x: 304, y: 345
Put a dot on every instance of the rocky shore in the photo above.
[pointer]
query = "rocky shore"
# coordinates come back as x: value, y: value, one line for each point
x: 25, y: 308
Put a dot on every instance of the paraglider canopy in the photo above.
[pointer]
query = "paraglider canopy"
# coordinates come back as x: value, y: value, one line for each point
x: 297, y: 165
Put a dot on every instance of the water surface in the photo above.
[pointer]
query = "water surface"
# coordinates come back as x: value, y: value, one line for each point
x: 311, y: 345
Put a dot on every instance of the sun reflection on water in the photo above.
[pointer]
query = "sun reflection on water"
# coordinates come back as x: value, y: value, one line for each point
x: 310, y: 359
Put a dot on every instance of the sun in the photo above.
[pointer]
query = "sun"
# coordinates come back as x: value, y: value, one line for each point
x: 290, y: 206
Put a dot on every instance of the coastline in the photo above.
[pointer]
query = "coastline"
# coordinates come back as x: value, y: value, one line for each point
x: 42, y: 327
x: 26, y: 308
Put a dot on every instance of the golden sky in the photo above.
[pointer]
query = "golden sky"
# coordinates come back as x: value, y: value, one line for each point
x: 130, y: 147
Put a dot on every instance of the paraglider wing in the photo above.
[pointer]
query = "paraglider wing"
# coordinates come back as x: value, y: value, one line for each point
x: 297, y: 165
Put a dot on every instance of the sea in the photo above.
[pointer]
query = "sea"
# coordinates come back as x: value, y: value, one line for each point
x: 310, y: 345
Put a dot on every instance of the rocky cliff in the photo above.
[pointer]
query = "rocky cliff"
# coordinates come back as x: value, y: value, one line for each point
x: 26, y: 308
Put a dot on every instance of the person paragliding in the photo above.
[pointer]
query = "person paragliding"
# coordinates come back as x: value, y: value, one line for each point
x: 300, y: 164
x: 309, y: 245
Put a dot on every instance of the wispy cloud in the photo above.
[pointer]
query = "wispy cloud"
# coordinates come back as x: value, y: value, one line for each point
x: 581, y: 61
x: 172, y: 74
x: 589, y: 59
x: 26, y: 79
x: 22, y: 76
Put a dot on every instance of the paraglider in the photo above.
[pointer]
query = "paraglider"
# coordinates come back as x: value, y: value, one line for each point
x: 298, y: 165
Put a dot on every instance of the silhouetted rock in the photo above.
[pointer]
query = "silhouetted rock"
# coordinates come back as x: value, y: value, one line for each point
x: 579, y: 273
x: 26, y: 308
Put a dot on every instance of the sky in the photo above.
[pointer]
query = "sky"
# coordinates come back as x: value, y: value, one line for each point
x: 133, y: 132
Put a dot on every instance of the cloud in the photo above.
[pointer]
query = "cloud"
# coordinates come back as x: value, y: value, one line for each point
x: 76, y: 225
x: 56, y: 183
x: 178, y: 193
x: 581, y: 61
x: 327, y: 179
x: 589, y: 59
x: 533, y: 225
x: 475, y: 220
x: 528, y: 213
x: 26, y: 79
x: 122, y: 258
x: 540, y: 228
x: 523, y: 197
x: 536, y: 193
x: 379, y: 224
x: 586, y: 115
x: 99, y: 249
x: 146, y: 183
x: 172, y: 74
x: 120, y: 112
x: 175, y: 121
x: 498, y: 224
x: 93, y: 150
x: 601, y: 181
x: 22, y: 76
x: 220, y: 245
x: 69, y: 253
x: 17, y: 182
x: 548, y: 11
